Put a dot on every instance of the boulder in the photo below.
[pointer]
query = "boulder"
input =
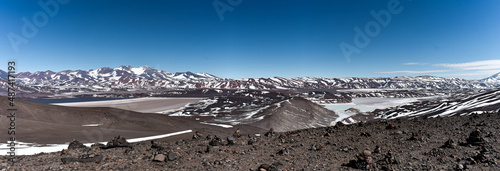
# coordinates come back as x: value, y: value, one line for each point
x: 159, y: 158
x: 475, y: 138
x: 117, y: 142
x: 230, y: 140
x: 270, y: 133
x: 75, y: 144
x: 363, y: 161
x: 216, y: 141
x: 171, y: 156
x: 272, y: 167
x: 237, y: 133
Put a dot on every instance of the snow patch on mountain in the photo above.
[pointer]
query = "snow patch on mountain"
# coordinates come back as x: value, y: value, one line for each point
x: 148, y: 78
x: 494, y: 79
x: 488, y: 101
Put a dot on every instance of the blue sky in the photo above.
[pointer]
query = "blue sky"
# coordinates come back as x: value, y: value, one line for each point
x: 256, y: 38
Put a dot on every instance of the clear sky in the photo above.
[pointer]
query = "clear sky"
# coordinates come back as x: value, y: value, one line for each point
x: 256, y: 38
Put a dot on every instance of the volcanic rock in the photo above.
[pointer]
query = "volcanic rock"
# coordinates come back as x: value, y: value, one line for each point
x: 475, y: 138
x: 171, y: 156
x: 216, y: 141
x: 415, y: 137
x: 75, y: 144
x: 230, y: 140
x: 118, y: 142
x: 272, y: 167
x: 155, y: 145
x: 315, y: 147
x: 390, y: 126
x: 365, y: 134
x: 251, y: 141
x: 449, y: 144
x: 390, y: 158
x: 283, y: 151
x: 197, y: 135
x: 237, y: 133
x: 159, y: 158
x: 363, y: 161
x: 270, y: 133
x: 377, y: 149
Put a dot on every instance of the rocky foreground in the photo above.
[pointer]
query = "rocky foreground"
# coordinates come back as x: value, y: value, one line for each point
x: 452, y: 143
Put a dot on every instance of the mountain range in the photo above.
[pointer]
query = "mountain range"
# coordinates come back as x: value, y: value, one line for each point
x: 494, y: 79
x: 145, y: 77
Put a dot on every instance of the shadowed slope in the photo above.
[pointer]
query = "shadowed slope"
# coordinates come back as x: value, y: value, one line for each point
x: 42, y: 123
x: 296, y: 113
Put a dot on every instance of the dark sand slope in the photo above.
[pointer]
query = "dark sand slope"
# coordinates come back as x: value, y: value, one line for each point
x: 42, y: 123
x: 296, y: 113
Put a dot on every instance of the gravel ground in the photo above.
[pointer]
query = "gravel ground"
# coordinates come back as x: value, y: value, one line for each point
x: 454, y: 143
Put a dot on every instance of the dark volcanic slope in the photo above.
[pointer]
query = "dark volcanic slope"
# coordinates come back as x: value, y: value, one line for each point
x: 417, y: 144
x: 42, y: 123
x: 485, y: 101
x: 295, y: 113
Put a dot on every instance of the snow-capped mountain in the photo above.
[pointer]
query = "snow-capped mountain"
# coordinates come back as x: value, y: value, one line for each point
x: 136, y: 78
x: 123, y: 75
x: 494, y: 79
x: 102, y: 79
